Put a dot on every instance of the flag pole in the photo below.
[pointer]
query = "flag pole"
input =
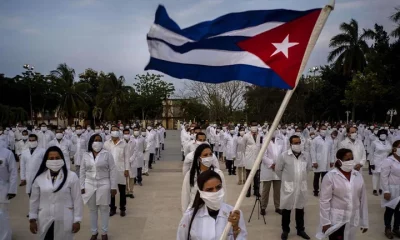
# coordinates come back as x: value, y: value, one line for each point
x: 311, y: 44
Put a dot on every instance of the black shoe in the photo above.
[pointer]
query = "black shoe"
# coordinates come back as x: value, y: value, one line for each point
x: 131, y: 196
x: 278, y: 211
x: 248, y: 194
x: 396, y: 232
x: 113, y: 212
x: 122, y: 213
x: 262, y: 212
x: 375, y: 193
x: 150, y: 167
x: 140, y: 184
x: 370, y: 173
x: 316, y: 194
x: 380, y: 191
x: 234, y: 173
x: 303, y: 235
x: 284, y: 236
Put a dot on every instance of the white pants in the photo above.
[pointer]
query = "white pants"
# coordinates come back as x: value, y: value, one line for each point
x: 376, y: 181
x: 104, y: 212
x: 146, y: 166
x: 5, y: 229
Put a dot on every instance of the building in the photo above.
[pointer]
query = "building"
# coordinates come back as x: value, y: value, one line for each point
x: 171, y: 113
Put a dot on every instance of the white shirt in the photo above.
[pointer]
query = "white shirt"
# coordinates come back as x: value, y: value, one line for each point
x: 8, y: 174
x: 44, y: 138
x: 358, y: 149
x: 322, y: 153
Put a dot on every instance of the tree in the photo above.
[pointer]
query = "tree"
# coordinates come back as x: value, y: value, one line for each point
x: 396, y: 18
x: 193, y: 110
x: 96, y: 113
x: 151, y: 90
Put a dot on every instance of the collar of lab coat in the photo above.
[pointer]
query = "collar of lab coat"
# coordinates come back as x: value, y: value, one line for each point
x: 353, y: 172
x: 290, y: 152
x: 119, y: 141
x: 223, y: 212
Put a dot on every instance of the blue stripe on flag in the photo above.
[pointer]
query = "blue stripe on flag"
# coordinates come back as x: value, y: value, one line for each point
x: 217, y: 43
x: 228, y: 22
x: 263, y: 77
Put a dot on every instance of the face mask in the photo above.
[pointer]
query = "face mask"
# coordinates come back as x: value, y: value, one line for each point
x: 308, y: 127
x: 68, y: 128
x: 78, y: 131
x: 284, y: 131
x: 13, y: 129
x: 297, y: 134
x: 59, y: 136
x: 73, y: 129
x: 398, y: 152
x: 382, y: 137
x: 33, y: 144
x: 44, y: 129
x: 88, y: 128
x: 312, y: 136
x: 372, y: 127
x: 107, y: 131
x: 353, y: 136
x: 376, y: 132
x: 135, y: 133
x: 224, y: 128
x: 334, y: 129
x: 296, y: 148
x: 322, y: 133
x: 121, y: 128
x: 264, y: 130
x: 97, y: 146
x: 149, y: 128
x: 115, y: 134
x: 391, y: 130
x: 386, y: 128
x: 55, y: 165
x: 97, y: 130
x: 347, y: 166
x: 213, y: 200
x: 241, y: 133
x: 253, y: 129
x: 1, y: 132
x: 232, y: 131
x: 127, y: 136
x: 144, y: 134
x: 207, y: 161
x: 246, y: 125
x: 25, y: 137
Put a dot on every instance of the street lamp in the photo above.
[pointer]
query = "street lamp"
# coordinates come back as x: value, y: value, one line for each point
x: 347, y: 114
x: 391, y: 113
x: 29, y: 70
x: 313, y: 70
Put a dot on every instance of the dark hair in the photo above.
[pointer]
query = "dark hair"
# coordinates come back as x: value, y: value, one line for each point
x: 382, y: 131
x: 350, y: 127
x: 43, y: 123
x: 198, y: 201
x: 33, y: 136
x: 195, y: 170
x: 394, y: 145
x: 126, y: 130
x: 25, y: 131
x: 78, y: 126
x: 340, y: 154
x: 91, y: 140
x: 334, y: 133
x: 43, y: 167
x: 293, y: 137
x: 200, y: 134
x: 197, y: 128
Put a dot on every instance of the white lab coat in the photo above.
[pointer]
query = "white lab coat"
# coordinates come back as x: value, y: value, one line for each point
x: 379, y: 151
x: 189, y: 147
x: 44, y: 138
x: 151, y: 142
x: 66, y: 147
x: 270, y: 157
x: 390, y: 178
x: 240, y: 150
x: 189, y: 193
x: 252, y: 149
x: 130, y: 153
x: 293, y: 173
x: 187, y: 163
x: 222, y: 136
x: 161, y: 132
x: 358, y: 149
x: 11, y: 140
x: 140, y: 146
x: 20, y: 146
x: 80, y: 144
x: 371, y: 138
x: 230, y: 145
x: 343, y: 202
x: 205, y: 227
x: 64, y: 207
x: 98, y: 176
x: 322, y: 153
x: 120, y: 156
x: 213, y: 135
x: 30, y: 164
x: 8, y: 185
x: 283, y: 140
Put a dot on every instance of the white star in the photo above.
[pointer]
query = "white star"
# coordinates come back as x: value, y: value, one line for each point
x: 283, y: 47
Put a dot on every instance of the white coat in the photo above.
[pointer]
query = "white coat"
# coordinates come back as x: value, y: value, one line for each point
x: 8, y: 185
x: 130, y: 153
x: 293, y: 173
x: 157, y: 138
x: 213, y: 135
x: 121, y: 158
x: 30, y: 164
x: 205, y: 227
x: 161, y: 132
x: 270, y: 157
x: 230, y: 145
x: 20, y: 146
x: 44, y: 138
x: 140, y: 146
x: 322, y: 153
x: 390, y: 178
x: 371, y: 138
x: 11, y: 140
x: 240, y: 150
x: 64, y: 207
x: 221, y: 140
x: 187, y: 163
x: 79, y: 147
x: 283, y: 140
x: 252, y: 149
x: 358, y: 149
x: 189, y: 193
x: 151, y: 141
x: 380, y: 151
x: 189, y: 147
x: 98, y: 175
x: 343, y: 202
x: 66, y: 147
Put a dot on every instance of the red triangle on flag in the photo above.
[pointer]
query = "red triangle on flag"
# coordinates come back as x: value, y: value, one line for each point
x: 282, y: 48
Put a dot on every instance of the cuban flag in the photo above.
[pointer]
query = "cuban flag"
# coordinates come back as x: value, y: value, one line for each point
x: 263, y: 47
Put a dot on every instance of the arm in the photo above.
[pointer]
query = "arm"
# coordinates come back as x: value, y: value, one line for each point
x: 76, y: 198
x: 113, y: 171
x: 313, y: 151
x: 215, y: 162
x: 267, y: 160
x: 183, y: 229
x: 185, y: 196
x: 325, y: 201
x: 279, y: 166
x: 82, y: 172
x: 242, y: 225
x: 34, y: 201
x: 23, y: 168
x: 363, y: 207
x: 385, y: 172
x: 13, y: 170
x: 186, y: 165
x: 126, y: 157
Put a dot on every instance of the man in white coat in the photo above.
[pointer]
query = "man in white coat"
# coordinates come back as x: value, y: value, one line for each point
x: 322, y: 157
x: 150, y: 149
x: 22, y: 144
x: 8, y: 189
x: 130, y: 151
x: 65, y: 145
x: 79, y: 142
x: 140, y: 146
x: 162, y: 137
x: 44, y: 136
x: 230, y: 145
x: 292, y: 168
x: 353, y: 143
x: 117, y: 147
x: 252, y: 142
x: 268, y: 176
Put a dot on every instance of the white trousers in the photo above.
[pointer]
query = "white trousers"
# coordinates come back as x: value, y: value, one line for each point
x: 146, y: 166
x: 5, y: 227
x: 104, y: 212
x: 376, y: 179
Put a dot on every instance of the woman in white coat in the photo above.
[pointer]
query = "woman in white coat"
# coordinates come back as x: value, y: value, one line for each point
x: 55, y: 206
x: 207, y: 217
x: 343, y: 200
x: 390, y: 182
x: 380, y: 149
x: 240, y: 150
x: 98, y: 177
x: 202, y: 161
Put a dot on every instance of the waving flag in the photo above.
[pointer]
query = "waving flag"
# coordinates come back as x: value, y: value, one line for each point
x: 264, y: 47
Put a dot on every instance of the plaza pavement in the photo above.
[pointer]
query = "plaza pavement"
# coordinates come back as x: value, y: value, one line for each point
x: 155, y: 212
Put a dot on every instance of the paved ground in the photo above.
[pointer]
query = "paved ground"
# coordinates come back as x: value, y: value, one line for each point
x: 155, y: 211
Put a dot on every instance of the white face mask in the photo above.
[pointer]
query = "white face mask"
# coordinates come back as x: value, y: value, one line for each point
x: 97, y: 130
x: 121, y: 128
x: 296, y: 148
x: 232, y: 132
x: 353, y: 136
x: 97, y: 146
x: 149, y: 128
x: 115, y: 134
x: 312, y: 136
x: 55, y: 165
x: 43, y: 129
x: 398, y: 152
x: 253, y: 129
x: 78, y: 131
x: 242, y: 133
x: 347, y: 166
x: 382, y: 137
x: 33, y: 144
x: 322, y: 133
x: 25, y: 137
x: 59, y: 136
x: 107, y: 131
x: 136, y: 133
x: 144, y: 134
x: 207, y: 162
x: 376, y: 132
x: 213, y: 200
x: 127, y: 136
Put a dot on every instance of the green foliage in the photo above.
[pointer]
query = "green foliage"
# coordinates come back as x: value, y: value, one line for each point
x: 193, y: 109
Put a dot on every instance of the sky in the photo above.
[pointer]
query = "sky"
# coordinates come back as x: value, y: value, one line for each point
x: 110, y: 35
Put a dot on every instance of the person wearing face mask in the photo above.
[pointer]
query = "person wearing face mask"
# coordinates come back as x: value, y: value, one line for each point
x: 230, y: 145
x: 118, y: 148
x: 44, y: 136
x: 307, y: 131
x: 65, y: 145
x: 240, y: 152
x: 89, y: 131
x: 368, y: 141
x: 356, y: 146
x: 187, y: 164
x: 292, y: 168
x: 21, y: 145
x: 55, y: 205
x: 380, y: 149
x: 150, y: 150
x: 98, y: 178
x: 283, y: 139
x: 222, y: 149
x: 203, y: 159
x: 321, y: 157
x: 192, y: 144
x: 156, y: 143
x: 4, y: 137
x: 391, y: 135
x: 343, y: 201
x: 130, y: 150
x: 209, y: 214
x: 185, y: 137
x: 30, y: 162
x: 139, y: 144
x: 11, y: 138
x: 79, y: 146
x: 163, y: 135
x: 252, y: 142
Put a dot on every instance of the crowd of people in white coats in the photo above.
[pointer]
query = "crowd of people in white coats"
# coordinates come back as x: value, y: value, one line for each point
x: 337, y: 153
x: 62, y: 169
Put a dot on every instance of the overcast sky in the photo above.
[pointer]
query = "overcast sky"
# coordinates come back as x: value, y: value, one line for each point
x: 110, y: 35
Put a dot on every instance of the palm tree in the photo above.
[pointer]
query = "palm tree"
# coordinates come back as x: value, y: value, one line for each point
x: 396, y: 18
x: 96, y: 113
x: 349, y: 48
x: 72, y: 94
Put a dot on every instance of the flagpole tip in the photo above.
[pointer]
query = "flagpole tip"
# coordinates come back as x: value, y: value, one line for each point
x: 331, y: 4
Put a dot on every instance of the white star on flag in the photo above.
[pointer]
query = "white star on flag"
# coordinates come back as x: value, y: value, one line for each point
x: 284, y: 46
